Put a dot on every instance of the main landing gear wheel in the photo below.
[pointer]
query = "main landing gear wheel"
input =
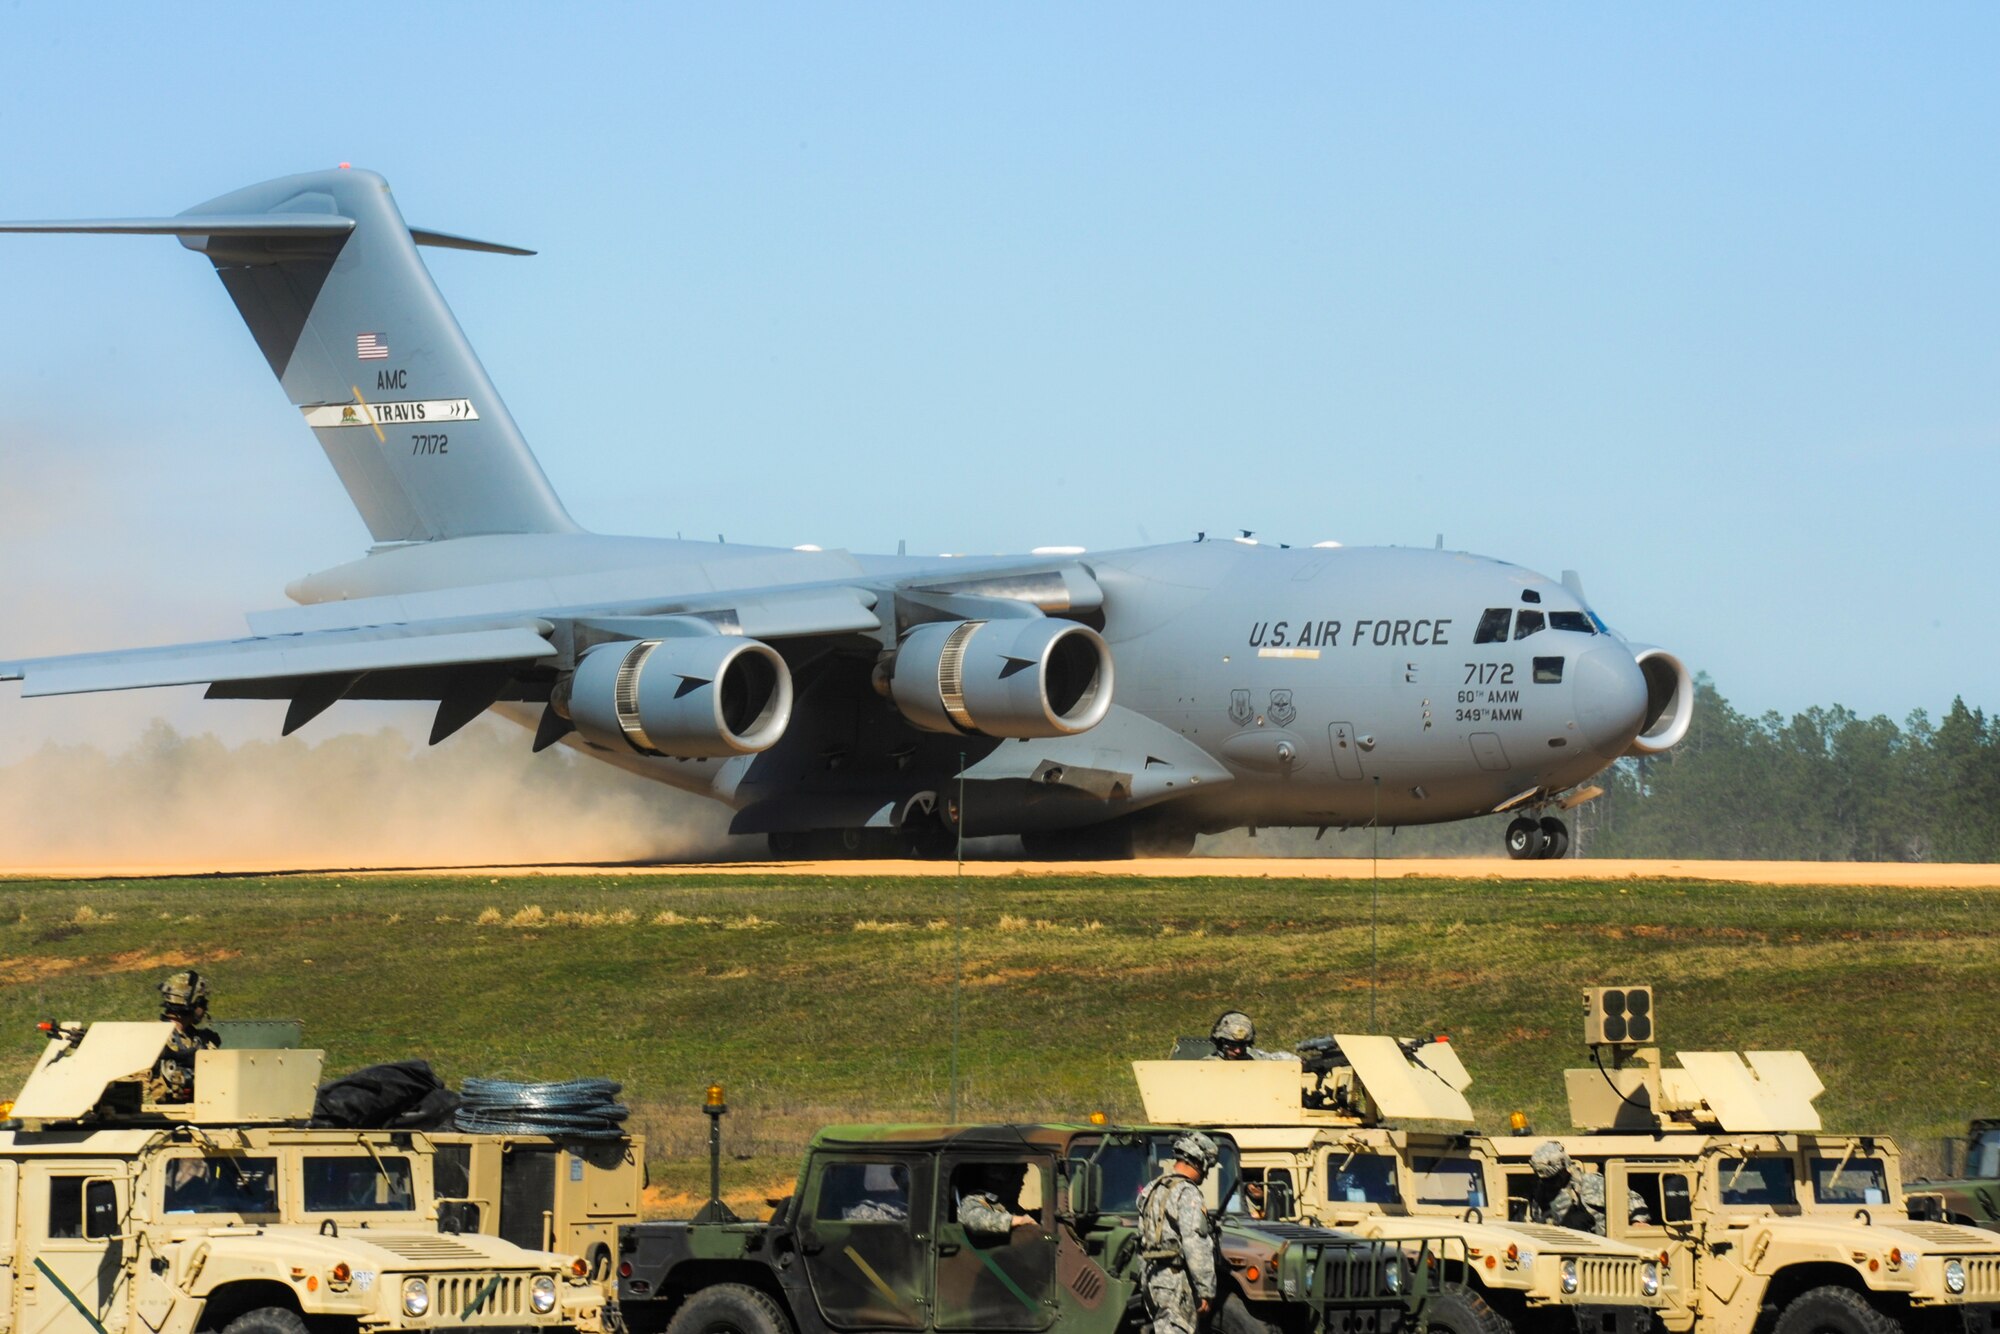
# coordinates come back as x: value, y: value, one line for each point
x: 1555, y: 839
x: 1525, y: 839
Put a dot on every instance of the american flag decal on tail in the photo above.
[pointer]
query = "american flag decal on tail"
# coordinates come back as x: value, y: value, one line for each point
x: 370, y: 347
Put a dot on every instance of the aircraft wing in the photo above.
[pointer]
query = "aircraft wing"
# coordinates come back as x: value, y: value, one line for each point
x: 313, y: 653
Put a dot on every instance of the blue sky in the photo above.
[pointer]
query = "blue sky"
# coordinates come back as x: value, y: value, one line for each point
x: 1698, y: 300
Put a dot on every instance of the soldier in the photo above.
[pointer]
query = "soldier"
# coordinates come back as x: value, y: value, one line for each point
x: 1569, y: 1195
x: 991, y: 1207
x: 184, y: 1003
x: 1176, y: 1240
x: 1235, y: 1038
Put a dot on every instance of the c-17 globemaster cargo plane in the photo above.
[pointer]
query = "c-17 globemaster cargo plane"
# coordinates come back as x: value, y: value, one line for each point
x: 864, y: 703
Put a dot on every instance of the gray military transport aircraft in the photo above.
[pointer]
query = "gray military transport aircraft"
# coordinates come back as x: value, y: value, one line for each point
x: 869, y: 704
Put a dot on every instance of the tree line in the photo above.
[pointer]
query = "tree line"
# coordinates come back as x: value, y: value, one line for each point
x: 1822, y: 785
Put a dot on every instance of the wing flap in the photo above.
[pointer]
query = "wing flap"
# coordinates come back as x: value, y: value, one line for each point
x: 386, y: 649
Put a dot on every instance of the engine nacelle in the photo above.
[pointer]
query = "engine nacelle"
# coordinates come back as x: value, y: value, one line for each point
x: 698, y: 698
x: 1669, y: 701
x: 1012, y: 678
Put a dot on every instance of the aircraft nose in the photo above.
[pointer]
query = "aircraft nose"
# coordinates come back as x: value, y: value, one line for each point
x: 1610, y: 698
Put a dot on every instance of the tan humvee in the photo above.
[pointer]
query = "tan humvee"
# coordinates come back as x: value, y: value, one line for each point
x: 541, y: 1192
x: 1767, y: 1221
x: 1330, y: 1141
x: 118, y: 1216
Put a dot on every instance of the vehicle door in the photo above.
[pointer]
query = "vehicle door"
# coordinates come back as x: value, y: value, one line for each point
x: 72, y: 1216
x: 989, y: 1280
x: 864, y: 1230
x: 1666, y: 1226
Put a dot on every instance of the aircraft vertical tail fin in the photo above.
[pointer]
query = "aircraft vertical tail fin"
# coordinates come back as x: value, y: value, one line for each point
x: 325, y: 272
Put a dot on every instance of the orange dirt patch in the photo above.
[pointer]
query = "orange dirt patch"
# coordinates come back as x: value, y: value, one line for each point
x: 1898, y: 875
x: 37, y: 968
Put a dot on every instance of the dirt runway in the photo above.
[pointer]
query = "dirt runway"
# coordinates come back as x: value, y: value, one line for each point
x: 1892, y: 875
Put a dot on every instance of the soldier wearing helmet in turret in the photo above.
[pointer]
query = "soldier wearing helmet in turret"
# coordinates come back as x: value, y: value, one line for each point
x: 184, y: 1004
x: 1235, y: 1039
x: 1176, y: 1240
x: 1568, y: 1194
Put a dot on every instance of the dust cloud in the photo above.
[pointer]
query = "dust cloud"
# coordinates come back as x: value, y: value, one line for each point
x: 350, y: 800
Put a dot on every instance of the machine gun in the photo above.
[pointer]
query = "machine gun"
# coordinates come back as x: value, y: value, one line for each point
x: 1321, y: 1057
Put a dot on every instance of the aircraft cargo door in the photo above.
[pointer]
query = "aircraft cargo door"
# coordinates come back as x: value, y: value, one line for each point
x: 1346, y: 751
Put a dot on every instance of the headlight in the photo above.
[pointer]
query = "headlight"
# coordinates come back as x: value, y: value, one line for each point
x: 542, y: 1294
x: 1649, y: 1279
x: 416, y: 1296
x: 1392, y: 1275
x: 1569, y: 1276
x: 1954, y: 1277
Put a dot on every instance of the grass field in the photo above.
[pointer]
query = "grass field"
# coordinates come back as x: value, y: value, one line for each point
x: 819, y: 999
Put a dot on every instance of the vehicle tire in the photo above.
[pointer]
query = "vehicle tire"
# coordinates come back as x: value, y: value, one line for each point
x: 785, y: 843
x: 1234, y: 1316
x: 1458, y: 1309
x: 1524, y: 839
x: 728, y: 1308
x: 267, y: 1320
x: 1833, y: 1311
x: 1555, y: 839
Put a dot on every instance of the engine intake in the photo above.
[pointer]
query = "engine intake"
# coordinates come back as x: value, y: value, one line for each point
x: 699, y: 698
x: 1669, y: 701
x: 1012, y: 678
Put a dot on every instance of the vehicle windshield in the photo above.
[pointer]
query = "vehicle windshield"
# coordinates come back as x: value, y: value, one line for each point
x: 1361, y: 1178
x: 358, y: 1184
x: 1984, y: 1160
x: 1129, y: 1164
x: 223, y: 1184
x: 1856, y: 1181
x: 1757, y: 1182
x: 1457, y: 1182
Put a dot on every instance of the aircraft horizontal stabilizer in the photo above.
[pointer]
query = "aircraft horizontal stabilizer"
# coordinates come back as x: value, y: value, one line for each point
x: 339, y: 651
x: 214, y: 224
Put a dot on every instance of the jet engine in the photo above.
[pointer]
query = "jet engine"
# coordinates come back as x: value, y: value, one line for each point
x: 1010, y: 678
x: 697, y: 698
x: 1669, y: 701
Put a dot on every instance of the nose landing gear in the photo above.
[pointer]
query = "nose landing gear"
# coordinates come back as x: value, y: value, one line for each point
x: 1529, y: 839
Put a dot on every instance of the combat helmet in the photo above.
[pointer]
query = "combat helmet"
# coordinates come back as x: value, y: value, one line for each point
x: 1234, y: 1027
x: 1197, y: 1149
x: 185, y: 990
x: 1549, y: 1159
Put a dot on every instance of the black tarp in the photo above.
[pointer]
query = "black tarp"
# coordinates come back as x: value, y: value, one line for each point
x: 399, y: 1095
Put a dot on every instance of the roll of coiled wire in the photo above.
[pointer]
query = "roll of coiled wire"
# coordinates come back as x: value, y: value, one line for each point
x: 572, y: 1109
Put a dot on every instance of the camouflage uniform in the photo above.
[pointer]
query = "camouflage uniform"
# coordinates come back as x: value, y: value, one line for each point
x: 172, y: 1079
x: 982, y: 1214
x: 1579, y: 1199
x: 183, y: 1001
x: 876, y: 1211
x: 1179, y: 1249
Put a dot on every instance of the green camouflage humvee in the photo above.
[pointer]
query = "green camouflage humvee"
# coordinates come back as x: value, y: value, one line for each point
x: 870, y: 1240
x: 1971, y: 1197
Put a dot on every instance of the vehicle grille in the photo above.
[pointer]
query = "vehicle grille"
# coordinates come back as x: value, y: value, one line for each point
x: 452, y: 1293
x: 1982, y: 1279
x: 1602, y: 1279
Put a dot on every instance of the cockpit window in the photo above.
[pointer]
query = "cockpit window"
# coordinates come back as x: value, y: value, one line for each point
x: 1571, y: 620
x: 1548, y: 671
x: 1530, y: 595
x: 1493, y: 626
x: 1527, y: 623
x: 1855, y: 1181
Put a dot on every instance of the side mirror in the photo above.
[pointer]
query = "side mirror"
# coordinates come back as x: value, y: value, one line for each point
x: 1279, y: 1203
x: 1676, y: 1199
x: 1086, y: 1187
